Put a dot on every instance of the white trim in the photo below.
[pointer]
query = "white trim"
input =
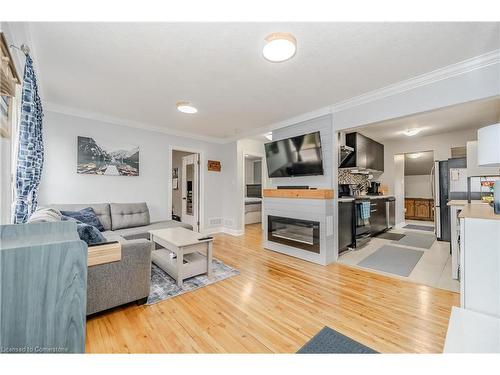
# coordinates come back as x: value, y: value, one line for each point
x: 57, y: 108
x: 233, y: 232
x: 201, y: 208
x: 214, y: 230
x: 465, y: 66
x: 449, y: 71
x: 225, y: 230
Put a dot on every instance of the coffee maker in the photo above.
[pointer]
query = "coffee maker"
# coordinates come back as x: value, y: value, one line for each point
x: 373, y: 189
x: 345, y: 190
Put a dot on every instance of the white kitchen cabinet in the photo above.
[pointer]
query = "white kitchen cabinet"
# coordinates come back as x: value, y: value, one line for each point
x: 480, y: 259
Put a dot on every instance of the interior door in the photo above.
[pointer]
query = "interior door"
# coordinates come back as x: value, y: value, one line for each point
x: 190, y: 191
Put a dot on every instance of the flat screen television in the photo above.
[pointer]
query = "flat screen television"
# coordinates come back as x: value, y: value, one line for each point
x: 296, y: 156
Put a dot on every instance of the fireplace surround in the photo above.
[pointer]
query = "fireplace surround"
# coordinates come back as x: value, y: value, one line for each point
x: 302, y: 234
x: 299, y: 223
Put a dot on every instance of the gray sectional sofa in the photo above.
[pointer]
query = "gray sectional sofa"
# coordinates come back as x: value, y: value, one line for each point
x: 114, y: 284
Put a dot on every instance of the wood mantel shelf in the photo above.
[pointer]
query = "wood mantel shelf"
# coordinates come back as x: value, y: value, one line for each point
x: 299, y: 193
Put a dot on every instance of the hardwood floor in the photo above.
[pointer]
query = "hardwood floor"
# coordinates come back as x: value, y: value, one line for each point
x: 276, y: 305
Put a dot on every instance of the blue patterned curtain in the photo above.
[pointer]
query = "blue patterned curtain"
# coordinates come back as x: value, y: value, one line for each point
x: 30, y: 148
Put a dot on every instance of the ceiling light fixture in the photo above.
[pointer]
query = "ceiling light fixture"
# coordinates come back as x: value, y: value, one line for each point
x: 415, y: 156
x: 410, y: 132
x: 186, y: 107
x: 279, y: 47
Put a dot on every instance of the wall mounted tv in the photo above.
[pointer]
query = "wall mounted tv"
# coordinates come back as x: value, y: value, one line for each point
x: 296, y: 156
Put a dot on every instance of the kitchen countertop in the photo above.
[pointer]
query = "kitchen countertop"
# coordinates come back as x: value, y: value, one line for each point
x: 463, y: 202
x: 349, y: 199
x: 478, y: 211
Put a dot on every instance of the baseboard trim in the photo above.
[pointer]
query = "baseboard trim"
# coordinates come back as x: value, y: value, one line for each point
x: 230, y: 231
x: 234, y: 232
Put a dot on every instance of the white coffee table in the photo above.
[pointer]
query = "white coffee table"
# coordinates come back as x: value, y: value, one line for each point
x: 183, y: 255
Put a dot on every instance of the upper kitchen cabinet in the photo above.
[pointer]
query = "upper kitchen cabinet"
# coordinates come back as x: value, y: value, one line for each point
x: 367, y: 154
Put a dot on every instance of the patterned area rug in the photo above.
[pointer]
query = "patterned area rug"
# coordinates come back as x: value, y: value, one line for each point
x: 164, y: 287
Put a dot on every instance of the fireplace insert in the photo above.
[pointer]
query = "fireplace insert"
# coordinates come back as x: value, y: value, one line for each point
x: 302, y: 234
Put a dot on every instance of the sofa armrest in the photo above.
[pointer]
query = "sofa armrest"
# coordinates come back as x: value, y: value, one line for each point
x: 139, y: 249
x: 113, y: 284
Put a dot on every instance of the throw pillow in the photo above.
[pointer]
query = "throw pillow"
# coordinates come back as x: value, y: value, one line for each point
x: 86, y: 216
x: 43, y: 215
x: 86, y: 232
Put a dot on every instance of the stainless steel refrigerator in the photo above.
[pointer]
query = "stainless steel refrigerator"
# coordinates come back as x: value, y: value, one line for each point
x: 449, y: 182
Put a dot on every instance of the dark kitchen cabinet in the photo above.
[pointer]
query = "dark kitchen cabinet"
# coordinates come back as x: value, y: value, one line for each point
x: 346, y: 217
x: 367, y: 154
x: 378, y: 219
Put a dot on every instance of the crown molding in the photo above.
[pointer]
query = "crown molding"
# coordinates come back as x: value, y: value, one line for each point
x: 89, y: 115
x: 450, y: 71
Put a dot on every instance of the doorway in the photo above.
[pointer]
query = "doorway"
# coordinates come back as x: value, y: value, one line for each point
x: 186, y: 188
x: 252, y: 204
x: 419, y: 189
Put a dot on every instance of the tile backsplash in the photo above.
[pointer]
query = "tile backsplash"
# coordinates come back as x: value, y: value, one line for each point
x: 346, y: 177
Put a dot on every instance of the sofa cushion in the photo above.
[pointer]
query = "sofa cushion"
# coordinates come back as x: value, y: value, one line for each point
x: 128, y: 215
x: 101, y: 210
x: 88, y: 233
x: 86, y: 216
x: 142, y: 232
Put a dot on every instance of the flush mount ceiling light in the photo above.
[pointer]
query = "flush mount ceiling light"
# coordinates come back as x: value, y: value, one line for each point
x: 410, y: 132
x: 415, y: 156
x: 279, y: 47
x: 186, y: 107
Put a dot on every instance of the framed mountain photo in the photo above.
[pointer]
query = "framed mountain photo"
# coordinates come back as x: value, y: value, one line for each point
x: 109, y: 158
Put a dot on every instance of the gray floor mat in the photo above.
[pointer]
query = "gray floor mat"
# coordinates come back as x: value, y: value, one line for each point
x: 419, y: 227
x: 423, y: 241
x: 390, y: 236
x: 393, y: 259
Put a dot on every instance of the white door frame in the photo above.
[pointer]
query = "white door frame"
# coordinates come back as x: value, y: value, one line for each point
x: 201, y: 205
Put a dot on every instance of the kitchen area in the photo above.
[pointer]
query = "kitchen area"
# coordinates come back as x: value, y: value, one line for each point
x: 402, y: 186
x: 365, y: 208
x: 370, y: 237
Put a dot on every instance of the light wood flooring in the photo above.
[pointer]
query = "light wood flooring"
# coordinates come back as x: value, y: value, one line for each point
x: 276, y: 305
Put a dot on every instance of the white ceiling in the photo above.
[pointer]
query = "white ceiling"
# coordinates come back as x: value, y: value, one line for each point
x: 471, y: 115
x: 138, y: 71
x: 419, y: 166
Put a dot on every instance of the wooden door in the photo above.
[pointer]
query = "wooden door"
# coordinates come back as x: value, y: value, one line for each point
x: 410, y: 208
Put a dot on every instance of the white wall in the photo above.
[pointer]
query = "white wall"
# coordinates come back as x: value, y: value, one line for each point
x: 441, y: 144
x: 322, y: 124
x: 418, y: 186
x: 398, y: 161
x: 249, y: 171
x: 61, y: 184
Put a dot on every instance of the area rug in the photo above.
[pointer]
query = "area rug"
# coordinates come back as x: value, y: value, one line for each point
x: 164, y: 287
x: 419, y: 227
x: 423, y: 241
x: 390, y: 236
x: 393, y: 259
x: 329, y: 341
